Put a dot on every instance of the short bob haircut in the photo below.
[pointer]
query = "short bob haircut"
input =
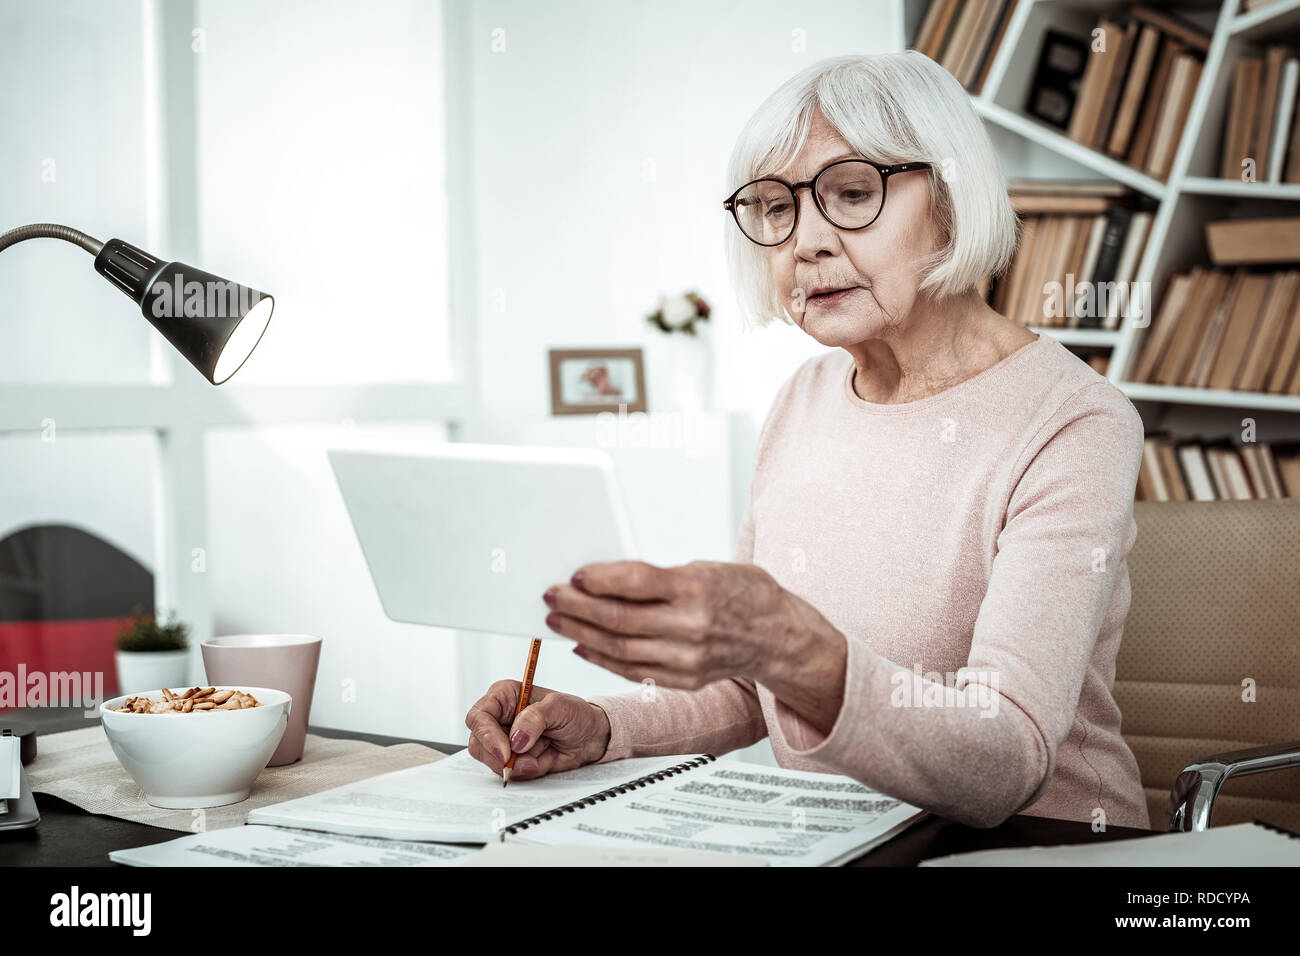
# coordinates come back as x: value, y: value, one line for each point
x: 890, y: 108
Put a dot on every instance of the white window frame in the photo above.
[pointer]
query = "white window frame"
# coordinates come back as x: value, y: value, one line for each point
x: 181, y: 406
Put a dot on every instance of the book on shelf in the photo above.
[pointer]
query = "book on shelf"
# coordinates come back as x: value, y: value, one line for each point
x: 986, y: 25
x: 1246, y: 74
x: 1250, y: 6
x: 1153, y: 98
x: 1205, y: 346
x: 1077, y: 261
x: 1135, y: 85
x: 1238, y: 332
x: 1266, y: 109
x: 1116, y: 71
x: 1190, y: 36
x: 1057, y: 77
x: 1260, y: 125
x: 1195, y: 469
x: 1272, y: 239
x: 1283, y: 120
x: 1172, y: 367
x: 1086, y: 117
x: 1143, y: 67
x: 1177, y: 104
x: 1225, y: 329
x: 963, y: 36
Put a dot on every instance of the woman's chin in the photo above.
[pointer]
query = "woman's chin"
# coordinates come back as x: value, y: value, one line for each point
x: 836, y: 329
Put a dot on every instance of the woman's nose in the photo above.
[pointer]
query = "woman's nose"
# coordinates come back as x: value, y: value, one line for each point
x: 813, y: 235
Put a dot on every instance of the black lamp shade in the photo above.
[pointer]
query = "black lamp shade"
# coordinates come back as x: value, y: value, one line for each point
x: 213, y: 322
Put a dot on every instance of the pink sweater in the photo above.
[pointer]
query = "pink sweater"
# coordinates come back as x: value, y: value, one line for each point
x: 971, y: 546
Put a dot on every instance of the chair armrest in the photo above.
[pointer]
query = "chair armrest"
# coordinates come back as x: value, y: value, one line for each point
x: 1192, y: 800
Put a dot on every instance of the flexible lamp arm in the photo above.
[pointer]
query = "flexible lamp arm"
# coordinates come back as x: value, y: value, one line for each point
x: 50, y: 230
x: 213, y: 322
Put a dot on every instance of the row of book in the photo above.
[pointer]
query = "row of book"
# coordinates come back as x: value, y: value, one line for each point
x: 1137, y: 87
x: 1077, y: 261
x: 1261, y: 139
x: 1225, y: 328
x: 1195, y: 470
x: 963, y: 36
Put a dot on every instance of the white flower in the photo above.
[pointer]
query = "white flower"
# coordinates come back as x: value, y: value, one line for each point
x: 678, y: 311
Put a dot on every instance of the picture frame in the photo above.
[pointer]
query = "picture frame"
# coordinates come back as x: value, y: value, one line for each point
x: 593, y: 380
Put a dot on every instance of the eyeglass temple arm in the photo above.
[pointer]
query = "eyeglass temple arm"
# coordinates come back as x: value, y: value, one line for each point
x: 902, y: 168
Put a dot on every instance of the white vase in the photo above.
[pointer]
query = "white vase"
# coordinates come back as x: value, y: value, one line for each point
x: 691, y: 361
x: 149, y: 670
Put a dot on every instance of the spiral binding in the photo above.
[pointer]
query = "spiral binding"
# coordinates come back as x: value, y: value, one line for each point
x: 622, y: 788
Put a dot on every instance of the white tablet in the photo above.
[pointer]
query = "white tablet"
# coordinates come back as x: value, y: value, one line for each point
x: 469, y: 536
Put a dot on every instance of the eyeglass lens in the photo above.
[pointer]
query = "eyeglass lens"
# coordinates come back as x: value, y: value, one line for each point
x: 850, y: 195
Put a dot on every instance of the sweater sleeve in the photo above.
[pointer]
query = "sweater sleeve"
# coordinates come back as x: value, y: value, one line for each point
x: 984, y: 748
x: 716, y: 719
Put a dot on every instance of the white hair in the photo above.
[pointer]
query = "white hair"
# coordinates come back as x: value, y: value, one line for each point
x: 890, y: 108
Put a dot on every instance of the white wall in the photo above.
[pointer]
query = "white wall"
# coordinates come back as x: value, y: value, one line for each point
x: 623, y: 116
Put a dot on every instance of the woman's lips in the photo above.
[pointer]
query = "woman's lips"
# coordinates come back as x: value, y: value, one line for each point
x: 829, y: 300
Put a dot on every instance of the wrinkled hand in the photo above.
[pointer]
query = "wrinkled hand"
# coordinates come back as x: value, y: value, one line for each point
x: 555, y: 732
x: 681, y: 627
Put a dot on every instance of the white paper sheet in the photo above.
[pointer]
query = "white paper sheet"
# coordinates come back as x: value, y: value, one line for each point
x: 278, y: 846
x: 1242, y: 844
x: 521, y: 854
x: 456, y: 800
x: 787, y: 817
x: 10, y: 768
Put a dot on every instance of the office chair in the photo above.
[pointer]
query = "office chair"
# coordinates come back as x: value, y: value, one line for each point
x: 1210, y: 661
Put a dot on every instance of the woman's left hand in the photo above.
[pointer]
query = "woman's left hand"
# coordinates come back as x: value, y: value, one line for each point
x: 683, y: 627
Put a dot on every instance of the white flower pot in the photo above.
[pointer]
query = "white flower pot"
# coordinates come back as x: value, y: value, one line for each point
x: 149, y: 670
x: 691, y: 361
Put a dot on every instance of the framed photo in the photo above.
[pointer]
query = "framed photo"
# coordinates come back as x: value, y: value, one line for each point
x: 588, y: 381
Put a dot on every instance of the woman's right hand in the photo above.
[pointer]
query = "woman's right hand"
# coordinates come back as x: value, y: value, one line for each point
x: 555, y: 732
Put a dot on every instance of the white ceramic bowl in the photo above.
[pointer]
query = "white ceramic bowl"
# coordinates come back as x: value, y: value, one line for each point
x: 183, y: 761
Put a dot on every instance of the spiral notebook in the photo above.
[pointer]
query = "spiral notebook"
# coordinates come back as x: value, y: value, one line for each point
x: 784, y: 817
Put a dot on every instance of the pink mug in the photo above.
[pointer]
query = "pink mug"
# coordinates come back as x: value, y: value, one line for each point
x: 284, y: 662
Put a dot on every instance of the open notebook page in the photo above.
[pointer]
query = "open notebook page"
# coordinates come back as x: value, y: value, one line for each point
x: 455, y: 800
x: 787, y: 817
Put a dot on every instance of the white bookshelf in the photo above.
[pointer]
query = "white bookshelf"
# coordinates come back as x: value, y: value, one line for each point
x: 1192, y: 194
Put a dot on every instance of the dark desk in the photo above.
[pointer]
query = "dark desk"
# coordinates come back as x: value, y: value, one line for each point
x: 69, y: 836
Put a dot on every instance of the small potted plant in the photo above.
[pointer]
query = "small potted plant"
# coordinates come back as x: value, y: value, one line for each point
x: 151, y: 655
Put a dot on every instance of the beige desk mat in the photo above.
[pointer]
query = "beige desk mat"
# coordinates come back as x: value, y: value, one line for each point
x: 79, y: 766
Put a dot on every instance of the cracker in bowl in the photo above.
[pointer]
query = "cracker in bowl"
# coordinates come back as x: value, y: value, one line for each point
x: 196, y: 700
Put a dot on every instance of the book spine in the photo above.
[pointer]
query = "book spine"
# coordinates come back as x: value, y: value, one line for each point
x: 1112, y: 244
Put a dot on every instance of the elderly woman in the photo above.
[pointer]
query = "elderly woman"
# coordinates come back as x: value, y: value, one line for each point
x: 930, y: 582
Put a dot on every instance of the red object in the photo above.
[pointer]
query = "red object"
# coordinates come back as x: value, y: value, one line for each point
x: 62, y: 646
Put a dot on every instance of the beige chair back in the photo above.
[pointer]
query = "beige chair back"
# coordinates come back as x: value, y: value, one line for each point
x: 1214, y: 622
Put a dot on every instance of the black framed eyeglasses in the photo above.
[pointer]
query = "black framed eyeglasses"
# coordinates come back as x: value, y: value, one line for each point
x: 849, y: 194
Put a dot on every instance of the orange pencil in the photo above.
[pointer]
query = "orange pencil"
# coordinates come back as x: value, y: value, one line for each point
x: 525, y: 692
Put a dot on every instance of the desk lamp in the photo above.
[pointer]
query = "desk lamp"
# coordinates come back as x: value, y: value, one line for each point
x: 213, y: 322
